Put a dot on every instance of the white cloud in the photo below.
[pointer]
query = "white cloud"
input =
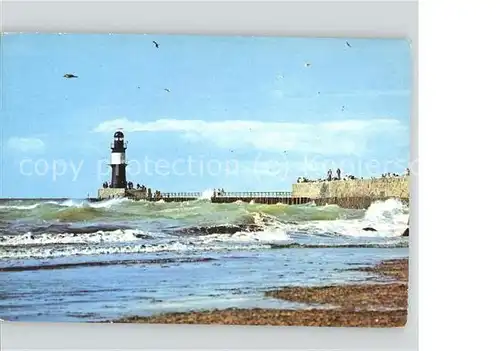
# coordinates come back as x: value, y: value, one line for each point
x: 26, y: 144
x: 329, y: 138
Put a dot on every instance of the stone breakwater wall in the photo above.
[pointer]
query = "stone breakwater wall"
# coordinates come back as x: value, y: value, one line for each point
x: 379, y: 188
x: 110, y: 193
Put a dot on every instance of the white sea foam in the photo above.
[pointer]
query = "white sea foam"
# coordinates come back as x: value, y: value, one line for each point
x: 262, y: 220
x: 270, y: 235
x: 44, y: 252
x: 20, y: 207
x: 206, y: 194
x: 389, y: 219
x: 119, y: 235
x: 82, y: 203
x: 353, y: 228
x: 72, y: 203
x: 390, y: 211
x: 108, y: 203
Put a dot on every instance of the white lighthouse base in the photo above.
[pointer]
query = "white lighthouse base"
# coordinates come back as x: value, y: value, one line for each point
x: 110, y: 193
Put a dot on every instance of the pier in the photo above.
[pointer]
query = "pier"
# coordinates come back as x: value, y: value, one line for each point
x: 347, y: 193
x: 269, y: 197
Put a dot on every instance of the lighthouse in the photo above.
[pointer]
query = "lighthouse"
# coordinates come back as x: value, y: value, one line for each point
x: 118, y: 163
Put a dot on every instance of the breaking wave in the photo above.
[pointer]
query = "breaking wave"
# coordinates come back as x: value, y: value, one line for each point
x: 100, y: 236
x: 81, y: 210
x: 120, y: 226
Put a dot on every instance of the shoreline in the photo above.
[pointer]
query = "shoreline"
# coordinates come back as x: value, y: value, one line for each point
x: 381, y: 301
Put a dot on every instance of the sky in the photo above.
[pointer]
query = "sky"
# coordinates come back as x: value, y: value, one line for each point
x: 199, y: 112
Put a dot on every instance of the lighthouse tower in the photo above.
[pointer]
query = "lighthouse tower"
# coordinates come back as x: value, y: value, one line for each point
x: 118, y: 164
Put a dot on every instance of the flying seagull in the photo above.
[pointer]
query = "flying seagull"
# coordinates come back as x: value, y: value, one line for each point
x: 156, y: 44
x: 307, y: 64
x: 167, y: 90
x: 69, y: 75
x: 349, y: 45
x: 343, y: 108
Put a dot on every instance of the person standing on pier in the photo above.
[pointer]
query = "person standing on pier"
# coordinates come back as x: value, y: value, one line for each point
x: 338, y: 173
x: 329, y: 175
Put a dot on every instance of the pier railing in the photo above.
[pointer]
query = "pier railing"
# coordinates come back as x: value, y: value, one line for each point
x: 257, y: 194
x: 182, y: 194
x: 244, y: 194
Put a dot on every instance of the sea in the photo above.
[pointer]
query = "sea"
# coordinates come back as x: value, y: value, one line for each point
x: 78, y: 261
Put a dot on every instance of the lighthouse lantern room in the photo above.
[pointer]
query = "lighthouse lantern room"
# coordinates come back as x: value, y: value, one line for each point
x: 118, y: 161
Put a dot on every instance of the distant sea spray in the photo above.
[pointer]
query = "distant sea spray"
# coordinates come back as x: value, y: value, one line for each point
x: 31, y: 229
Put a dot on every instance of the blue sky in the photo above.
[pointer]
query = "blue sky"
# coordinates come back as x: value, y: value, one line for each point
x: 243, y: 113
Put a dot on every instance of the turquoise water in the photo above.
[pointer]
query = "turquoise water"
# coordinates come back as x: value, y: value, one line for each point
x: 78, y: 261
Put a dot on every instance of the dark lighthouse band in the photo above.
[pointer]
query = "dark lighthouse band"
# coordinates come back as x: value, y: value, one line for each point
x: 118, y: 161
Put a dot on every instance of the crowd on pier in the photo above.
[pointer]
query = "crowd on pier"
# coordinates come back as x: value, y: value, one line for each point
x: 219, y: 192
x: 338, y: 176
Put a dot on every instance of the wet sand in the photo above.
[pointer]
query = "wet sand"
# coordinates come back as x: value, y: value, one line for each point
x: 382, y: 302
x: 103, y: 263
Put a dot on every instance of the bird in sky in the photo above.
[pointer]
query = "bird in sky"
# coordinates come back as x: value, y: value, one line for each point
x: 307, y: 64
x: 347, y: 43
x: 69, y: 75
x: 156, y: 44
x: 167, y: 90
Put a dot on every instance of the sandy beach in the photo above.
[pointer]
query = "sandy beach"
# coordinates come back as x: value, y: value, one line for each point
x: 380, y: 302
